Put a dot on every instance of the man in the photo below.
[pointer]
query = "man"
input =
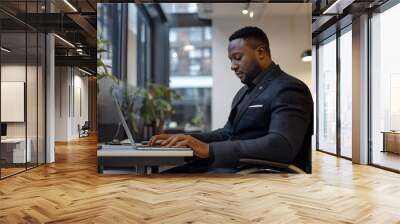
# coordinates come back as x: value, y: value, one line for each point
x: 271, y: 116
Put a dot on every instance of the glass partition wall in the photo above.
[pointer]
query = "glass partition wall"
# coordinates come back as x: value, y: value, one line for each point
x: 22, y: 77
x: 334, y: 95
x: 327, y: 96
x: 385, y: 89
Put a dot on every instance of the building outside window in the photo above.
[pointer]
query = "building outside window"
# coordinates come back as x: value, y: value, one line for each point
x: 191, y: 77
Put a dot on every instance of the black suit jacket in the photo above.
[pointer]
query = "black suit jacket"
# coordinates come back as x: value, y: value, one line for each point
x: 274, y: 124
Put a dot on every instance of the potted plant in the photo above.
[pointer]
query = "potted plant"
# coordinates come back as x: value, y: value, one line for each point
x: 156, y: 108
x: 152, y: 105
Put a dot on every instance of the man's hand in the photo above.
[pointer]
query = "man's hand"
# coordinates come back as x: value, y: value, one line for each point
x: 156, y: 139
x: 199, y: 148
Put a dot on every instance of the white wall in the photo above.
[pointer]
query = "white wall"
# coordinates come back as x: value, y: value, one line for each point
x: 289, y: 36
x: 33, y: 126
x: 70, y: 83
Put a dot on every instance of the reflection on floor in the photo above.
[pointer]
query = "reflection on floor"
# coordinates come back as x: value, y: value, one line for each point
x: 387, y: 159
x: 10, y: 169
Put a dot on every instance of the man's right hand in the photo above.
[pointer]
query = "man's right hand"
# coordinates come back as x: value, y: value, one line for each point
x: 156, y: 139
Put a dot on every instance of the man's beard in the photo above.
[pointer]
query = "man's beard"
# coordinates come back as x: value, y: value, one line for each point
x: 251, y: 75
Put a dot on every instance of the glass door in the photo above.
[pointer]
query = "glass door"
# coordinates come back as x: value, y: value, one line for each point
x: 327, y: 127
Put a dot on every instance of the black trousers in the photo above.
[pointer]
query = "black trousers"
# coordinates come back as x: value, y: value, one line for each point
x: 198, y: 165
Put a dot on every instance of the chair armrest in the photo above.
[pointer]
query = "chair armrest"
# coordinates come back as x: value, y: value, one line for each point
x: 271, y: 165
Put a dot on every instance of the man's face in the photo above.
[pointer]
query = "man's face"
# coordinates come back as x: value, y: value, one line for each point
x: 243, y: 60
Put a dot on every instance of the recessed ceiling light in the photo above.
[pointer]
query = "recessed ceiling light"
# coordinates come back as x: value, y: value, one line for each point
x: 70, y: 5
x: 251, y: 14
x: 84, y: 71
x: 245, y: 11
x: 65, y: 41
x: 5, y: 50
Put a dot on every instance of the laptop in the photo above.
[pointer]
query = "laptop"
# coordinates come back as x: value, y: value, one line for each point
x: 132, y: 144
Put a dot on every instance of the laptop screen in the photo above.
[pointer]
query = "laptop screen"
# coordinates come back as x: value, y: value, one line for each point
x: 123, y: 122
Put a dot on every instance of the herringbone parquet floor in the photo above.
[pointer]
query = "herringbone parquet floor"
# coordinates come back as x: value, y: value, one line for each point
x: 70, y: 191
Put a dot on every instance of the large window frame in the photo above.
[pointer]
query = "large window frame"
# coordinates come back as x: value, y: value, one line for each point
x: 381, y: 9
x: 334, y: 37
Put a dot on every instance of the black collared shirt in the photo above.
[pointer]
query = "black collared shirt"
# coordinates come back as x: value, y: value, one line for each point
x: 251, y: 86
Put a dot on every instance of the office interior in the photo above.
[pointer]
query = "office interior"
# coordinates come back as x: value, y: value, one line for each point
x: 193, y: 63
x: 46, y: 82
x: 346, y: 57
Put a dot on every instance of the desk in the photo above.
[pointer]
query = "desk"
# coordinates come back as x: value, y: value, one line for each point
x: 16, y: 147
x: 139, y: 158
x: 391, y: 142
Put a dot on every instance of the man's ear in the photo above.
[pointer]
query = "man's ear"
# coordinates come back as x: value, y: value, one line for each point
x: 261, y: 52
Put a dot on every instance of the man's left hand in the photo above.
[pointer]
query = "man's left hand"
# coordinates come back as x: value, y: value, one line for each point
x: 199, y: 148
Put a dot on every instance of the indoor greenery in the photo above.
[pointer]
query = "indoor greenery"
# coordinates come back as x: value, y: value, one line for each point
x: 152, y: 105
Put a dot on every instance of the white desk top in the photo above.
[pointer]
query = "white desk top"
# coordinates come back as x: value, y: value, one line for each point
x: 13, y: 140
x: 125, y: 151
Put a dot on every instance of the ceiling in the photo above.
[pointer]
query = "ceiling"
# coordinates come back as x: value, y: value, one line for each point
x: 216, y: 10
x: 75, y: 22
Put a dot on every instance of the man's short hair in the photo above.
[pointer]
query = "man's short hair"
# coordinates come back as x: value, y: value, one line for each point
x: 252, y: 33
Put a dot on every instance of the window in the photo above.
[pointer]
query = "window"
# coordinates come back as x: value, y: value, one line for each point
x: 180, y: 7
x: 385, y: 89
x: 190, y: 76
x: 346, y: 93
x: 327, y: 96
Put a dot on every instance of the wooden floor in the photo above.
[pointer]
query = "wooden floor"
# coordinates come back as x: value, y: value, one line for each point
x: 70, y: 191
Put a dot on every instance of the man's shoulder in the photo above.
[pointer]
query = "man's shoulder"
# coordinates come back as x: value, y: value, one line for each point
x: 285, y: 79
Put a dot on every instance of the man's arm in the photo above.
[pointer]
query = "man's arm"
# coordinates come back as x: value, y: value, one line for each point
x: 221, y: 134
x: 290, y: 118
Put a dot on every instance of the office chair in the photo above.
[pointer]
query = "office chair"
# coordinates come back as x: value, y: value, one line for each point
x: 255, y: 166
x: 84, y: 130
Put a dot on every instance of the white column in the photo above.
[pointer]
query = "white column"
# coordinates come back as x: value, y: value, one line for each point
x: 360, y: 90
x: 314, y: 94
x: 50, y: 101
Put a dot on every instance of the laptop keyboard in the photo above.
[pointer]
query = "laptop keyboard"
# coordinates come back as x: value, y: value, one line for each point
x: 155, y: 148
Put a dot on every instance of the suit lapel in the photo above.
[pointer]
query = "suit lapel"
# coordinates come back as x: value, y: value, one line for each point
x: 238, y: 99
x: 255, y: 93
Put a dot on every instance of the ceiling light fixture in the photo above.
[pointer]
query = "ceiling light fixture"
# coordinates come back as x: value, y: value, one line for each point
x: 337, y: 7
x: 306, y: 56
x: 70, y: 5
x: 251, y: 14
x: 65, y: 41
x: 245, y: 10
x: 5, y: 50
x: 84, y: 71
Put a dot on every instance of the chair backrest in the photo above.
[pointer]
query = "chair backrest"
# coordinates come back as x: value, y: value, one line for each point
x: 86, y: 125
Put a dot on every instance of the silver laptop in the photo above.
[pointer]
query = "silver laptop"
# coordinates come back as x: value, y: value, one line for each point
x: 132, y: 144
